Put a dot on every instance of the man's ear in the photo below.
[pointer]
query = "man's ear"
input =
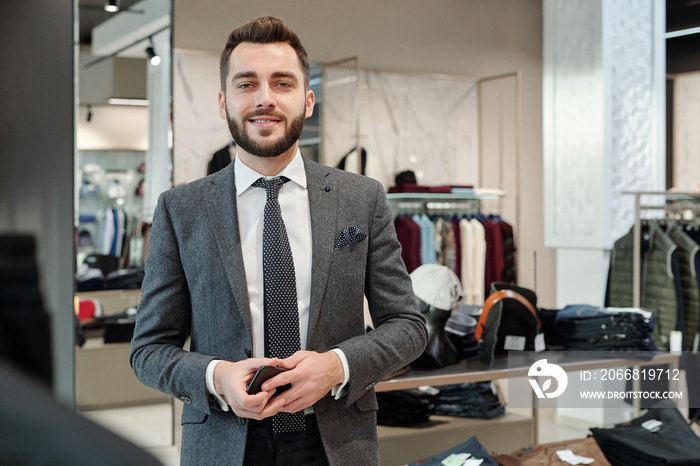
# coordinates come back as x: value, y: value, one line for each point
x: 222, y: 105
x: 310, y: 101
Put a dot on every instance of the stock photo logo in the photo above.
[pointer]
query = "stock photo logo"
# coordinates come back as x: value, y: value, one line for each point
x: 548, y: 372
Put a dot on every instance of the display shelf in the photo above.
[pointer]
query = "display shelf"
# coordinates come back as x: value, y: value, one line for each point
x: 104, y: 379
x: 108, y: 181
x: 402, y: 445
x: 471, y: 370
x: 113, y: 301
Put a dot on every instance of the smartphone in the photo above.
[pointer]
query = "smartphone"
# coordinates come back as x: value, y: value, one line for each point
x: 263, y: 373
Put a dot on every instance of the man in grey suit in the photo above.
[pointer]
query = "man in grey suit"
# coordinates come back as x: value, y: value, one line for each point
x: 204, y: 280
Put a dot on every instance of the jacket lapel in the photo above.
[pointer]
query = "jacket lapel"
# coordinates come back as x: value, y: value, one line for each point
x: 323, y: 197
x: 221, y: 206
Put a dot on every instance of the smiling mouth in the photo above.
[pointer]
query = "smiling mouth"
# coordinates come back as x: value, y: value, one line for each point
x: 257, y: 120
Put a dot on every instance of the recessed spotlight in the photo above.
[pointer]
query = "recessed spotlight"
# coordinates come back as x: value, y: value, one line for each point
x: 112, y: 6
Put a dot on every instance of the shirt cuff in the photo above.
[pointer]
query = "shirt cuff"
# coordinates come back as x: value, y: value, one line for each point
x: 337, y: 392
x: 209, y: 377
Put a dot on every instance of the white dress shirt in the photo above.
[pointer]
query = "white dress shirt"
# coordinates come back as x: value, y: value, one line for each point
x: 294, y: 204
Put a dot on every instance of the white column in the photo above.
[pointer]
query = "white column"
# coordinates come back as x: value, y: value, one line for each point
x: 158, y: 156
x: 604, y: 131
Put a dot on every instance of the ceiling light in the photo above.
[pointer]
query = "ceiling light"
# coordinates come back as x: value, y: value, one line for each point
x: 152, y: 55
x: 112, y: 6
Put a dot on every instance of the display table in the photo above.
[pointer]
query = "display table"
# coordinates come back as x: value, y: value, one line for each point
x: 471, y: 370
x: 103, y: 376
x: 509, y: 432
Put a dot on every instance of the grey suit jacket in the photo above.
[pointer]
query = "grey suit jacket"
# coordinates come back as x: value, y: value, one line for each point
x: 195, y: 286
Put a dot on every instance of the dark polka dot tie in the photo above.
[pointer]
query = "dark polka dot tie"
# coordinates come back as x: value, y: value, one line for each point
x: 279, y: 296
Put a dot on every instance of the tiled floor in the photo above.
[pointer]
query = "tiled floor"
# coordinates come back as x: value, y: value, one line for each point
x: 151, y: 428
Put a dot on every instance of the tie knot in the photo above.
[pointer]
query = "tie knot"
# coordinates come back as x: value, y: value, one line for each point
x: 272, y: 186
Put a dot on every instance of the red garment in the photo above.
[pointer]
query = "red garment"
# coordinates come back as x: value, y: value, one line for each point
x: 495, y: 260
x: 408, y: 188
x: 510, y: 272
x: 439, y: 189
x: 458, y: 249
x: 408, y: 234
x: 417, y: 188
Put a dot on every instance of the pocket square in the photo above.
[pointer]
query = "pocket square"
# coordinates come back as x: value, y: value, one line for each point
x: 350, y: 235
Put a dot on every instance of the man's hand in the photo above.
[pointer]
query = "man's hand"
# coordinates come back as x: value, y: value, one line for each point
x: 312, y: 376
x: 231, y: 380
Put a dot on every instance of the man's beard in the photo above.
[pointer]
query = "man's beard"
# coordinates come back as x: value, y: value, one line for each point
x: 266, y: 149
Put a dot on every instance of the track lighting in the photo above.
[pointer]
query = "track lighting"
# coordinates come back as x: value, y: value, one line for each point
x: 112, y: 6
x: 151, y: 52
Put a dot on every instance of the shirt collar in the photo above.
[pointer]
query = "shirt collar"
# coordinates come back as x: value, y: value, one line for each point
x: 246, y: 176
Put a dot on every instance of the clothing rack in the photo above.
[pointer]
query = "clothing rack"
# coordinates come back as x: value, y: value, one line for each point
x: 685, y: 205
x: 470, y: 203
x: 486, y: 254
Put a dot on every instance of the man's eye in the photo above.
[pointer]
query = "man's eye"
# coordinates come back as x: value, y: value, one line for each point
x: 245, y: 86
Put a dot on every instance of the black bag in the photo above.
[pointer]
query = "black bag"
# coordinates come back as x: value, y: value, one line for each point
x: 508, y: 322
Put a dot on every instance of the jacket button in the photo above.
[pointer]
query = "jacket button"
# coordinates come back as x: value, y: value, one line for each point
x: 186, y: 400
x: 368, y: 387
x: 242, y: 420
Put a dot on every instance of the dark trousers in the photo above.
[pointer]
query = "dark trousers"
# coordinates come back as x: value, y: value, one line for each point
x: 261, y: 450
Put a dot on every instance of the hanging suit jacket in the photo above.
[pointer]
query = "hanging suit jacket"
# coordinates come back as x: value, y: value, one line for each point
x: 660, y: 281
x: 219, y: 160
x: 195, y: 286
x: 688, y: 266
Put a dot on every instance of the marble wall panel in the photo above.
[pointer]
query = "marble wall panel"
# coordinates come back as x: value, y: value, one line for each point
x: 198, y: 131
x: 635, y: 163
x: 577, y: 109
x: 407, y: 122
x: 686, y: 131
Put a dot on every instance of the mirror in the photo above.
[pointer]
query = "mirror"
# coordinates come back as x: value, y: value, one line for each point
x: 123, y: 162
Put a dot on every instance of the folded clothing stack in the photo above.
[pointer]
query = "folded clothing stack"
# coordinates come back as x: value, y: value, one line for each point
x: 460, y: 327
x: 583, y: 327
x: 401, y: 408
x: 478, y: 400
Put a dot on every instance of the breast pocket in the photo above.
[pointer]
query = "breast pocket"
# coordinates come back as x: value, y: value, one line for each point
x: 350, y: 252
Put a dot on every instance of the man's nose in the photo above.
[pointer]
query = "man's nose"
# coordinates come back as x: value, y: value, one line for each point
x: 264, y: 97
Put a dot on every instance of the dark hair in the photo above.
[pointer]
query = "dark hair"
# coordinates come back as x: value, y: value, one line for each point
x: 263, y: 30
